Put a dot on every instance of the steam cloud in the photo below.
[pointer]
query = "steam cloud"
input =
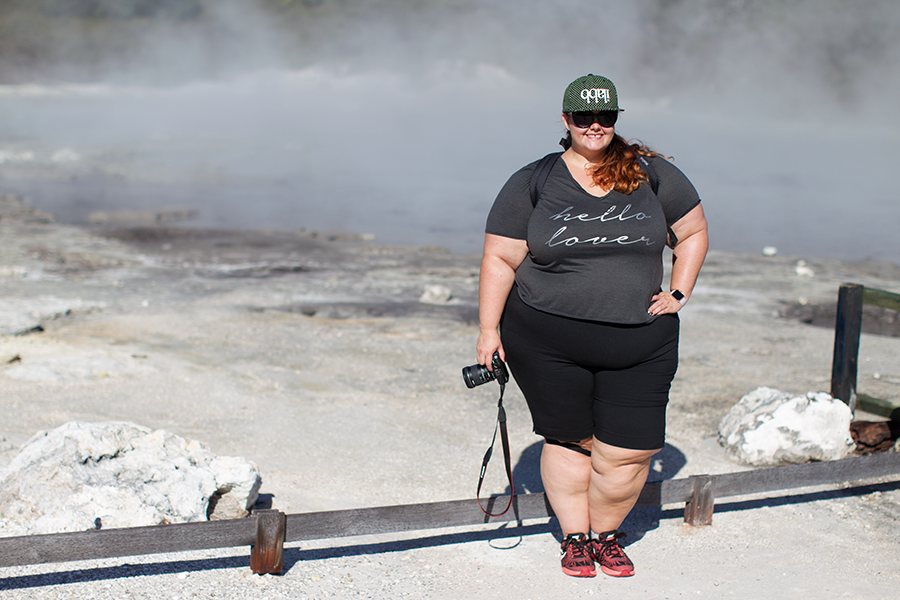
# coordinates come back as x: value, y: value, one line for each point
x: 404, y: 117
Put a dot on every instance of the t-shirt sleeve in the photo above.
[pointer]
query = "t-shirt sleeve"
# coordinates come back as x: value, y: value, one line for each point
x: 512, y: 208
x: 676, y: 193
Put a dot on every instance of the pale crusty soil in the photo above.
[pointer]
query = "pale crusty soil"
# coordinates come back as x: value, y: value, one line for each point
x: 311, y: 355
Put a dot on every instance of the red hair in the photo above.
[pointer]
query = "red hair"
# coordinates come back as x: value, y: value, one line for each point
x: 619, y: 169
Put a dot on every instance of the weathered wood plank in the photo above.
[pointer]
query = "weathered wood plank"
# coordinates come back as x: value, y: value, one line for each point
x: 675, y: 490
x: 133, y: 541
x: 808, y: 474
x: 454, y: 513
x: 847, y: 328
x: 881, y: 298
x: 878, y: 406
x: 109, y: 543
x: 409, y: 517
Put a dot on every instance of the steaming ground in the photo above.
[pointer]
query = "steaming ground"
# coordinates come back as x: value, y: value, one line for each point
x: 267, y: 156
x: 309, y: 353
x: 403, y: 119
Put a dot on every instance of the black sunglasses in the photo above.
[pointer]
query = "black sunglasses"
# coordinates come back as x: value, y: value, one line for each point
x: 583, y: 120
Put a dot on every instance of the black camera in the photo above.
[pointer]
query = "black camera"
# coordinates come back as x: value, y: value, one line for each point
x: 478, y: 374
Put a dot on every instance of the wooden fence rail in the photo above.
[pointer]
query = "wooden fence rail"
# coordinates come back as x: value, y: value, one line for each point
x: 847, y: 329
x: 267, y: 531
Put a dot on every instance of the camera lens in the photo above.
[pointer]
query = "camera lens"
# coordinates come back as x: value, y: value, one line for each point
x: 476, y: 375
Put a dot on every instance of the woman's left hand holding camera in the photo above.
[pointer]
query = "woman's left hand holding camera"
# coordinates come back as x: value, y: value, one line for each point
x: 488, y: 343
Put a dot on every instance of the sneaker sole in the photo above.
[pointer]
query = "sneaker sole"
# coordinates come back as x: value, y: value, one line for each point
x: 580, y: 573
x: 612, y: 573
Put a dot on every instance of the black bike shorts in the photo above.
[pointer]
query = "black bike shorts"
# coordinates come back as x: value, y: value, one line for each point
x: 586, y: 378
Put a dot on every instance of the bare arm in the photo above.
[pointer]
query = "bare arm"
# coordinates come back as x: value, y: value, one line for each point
x: 689, y: 254
x: 502, y: 256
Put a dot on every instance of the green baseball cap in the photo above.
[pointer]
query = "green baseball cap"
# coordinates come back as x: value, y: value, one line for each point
x: 591, y: 92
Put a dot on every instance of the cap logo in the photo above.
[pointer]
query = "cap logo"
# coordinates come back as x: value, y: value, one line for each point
x: 598, y: 95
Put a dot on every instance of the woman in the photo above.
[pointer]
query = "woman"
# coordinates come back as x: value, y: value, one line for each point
x: 573, y: 283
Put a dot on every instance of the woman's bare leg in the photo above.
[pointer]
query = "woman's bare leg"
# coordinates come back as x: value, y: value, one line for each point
x: 617, y: 478
x: 566, y: 475
x: 593, y: 493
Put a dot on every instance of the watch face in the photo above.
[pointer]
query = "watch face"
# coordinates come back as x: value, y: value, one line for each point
x: 677, y: 295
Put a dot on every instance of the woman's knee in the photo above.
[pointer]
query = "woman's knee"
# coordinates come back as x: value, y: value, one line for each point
x: 606, y: 458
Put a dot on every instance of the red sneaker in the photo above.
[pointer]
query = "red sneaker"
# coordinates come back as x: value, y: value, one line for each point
x: 610, y: 556
x: 575, y: 556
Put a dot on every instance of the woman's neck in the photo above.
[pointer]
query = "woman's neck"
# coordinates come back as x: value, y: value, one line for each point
x: 584, y: 160
x: 580, y: 167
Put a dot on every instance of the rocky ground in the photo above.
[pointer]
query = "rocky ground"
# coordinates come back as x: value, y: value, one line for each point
x: 311, y: 354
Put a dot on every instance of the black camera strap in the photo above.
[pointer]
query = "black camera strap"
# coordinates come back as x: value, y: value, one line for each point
x: 504, y: 441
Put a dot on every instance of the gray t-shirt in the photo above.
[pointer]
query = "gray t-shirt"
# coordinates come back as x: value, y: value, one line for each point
x: 589, y: 257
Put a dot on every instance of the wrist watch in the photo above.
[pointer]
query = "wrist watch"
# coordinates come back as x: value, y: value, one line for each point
x: 679, y: 296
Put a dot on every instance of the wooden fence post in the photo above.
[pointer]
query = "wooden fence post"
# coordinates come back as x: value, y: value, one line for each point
x: 267, y: 554
x: 699, y: 509
x: 847, y: 327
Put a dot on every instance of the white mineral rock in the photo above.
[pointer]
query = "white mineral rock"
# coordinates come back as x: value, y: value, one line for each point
x: 803, y: 270
x: 769, y: 427
x: 436, y: 294
x: 86, y: 475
